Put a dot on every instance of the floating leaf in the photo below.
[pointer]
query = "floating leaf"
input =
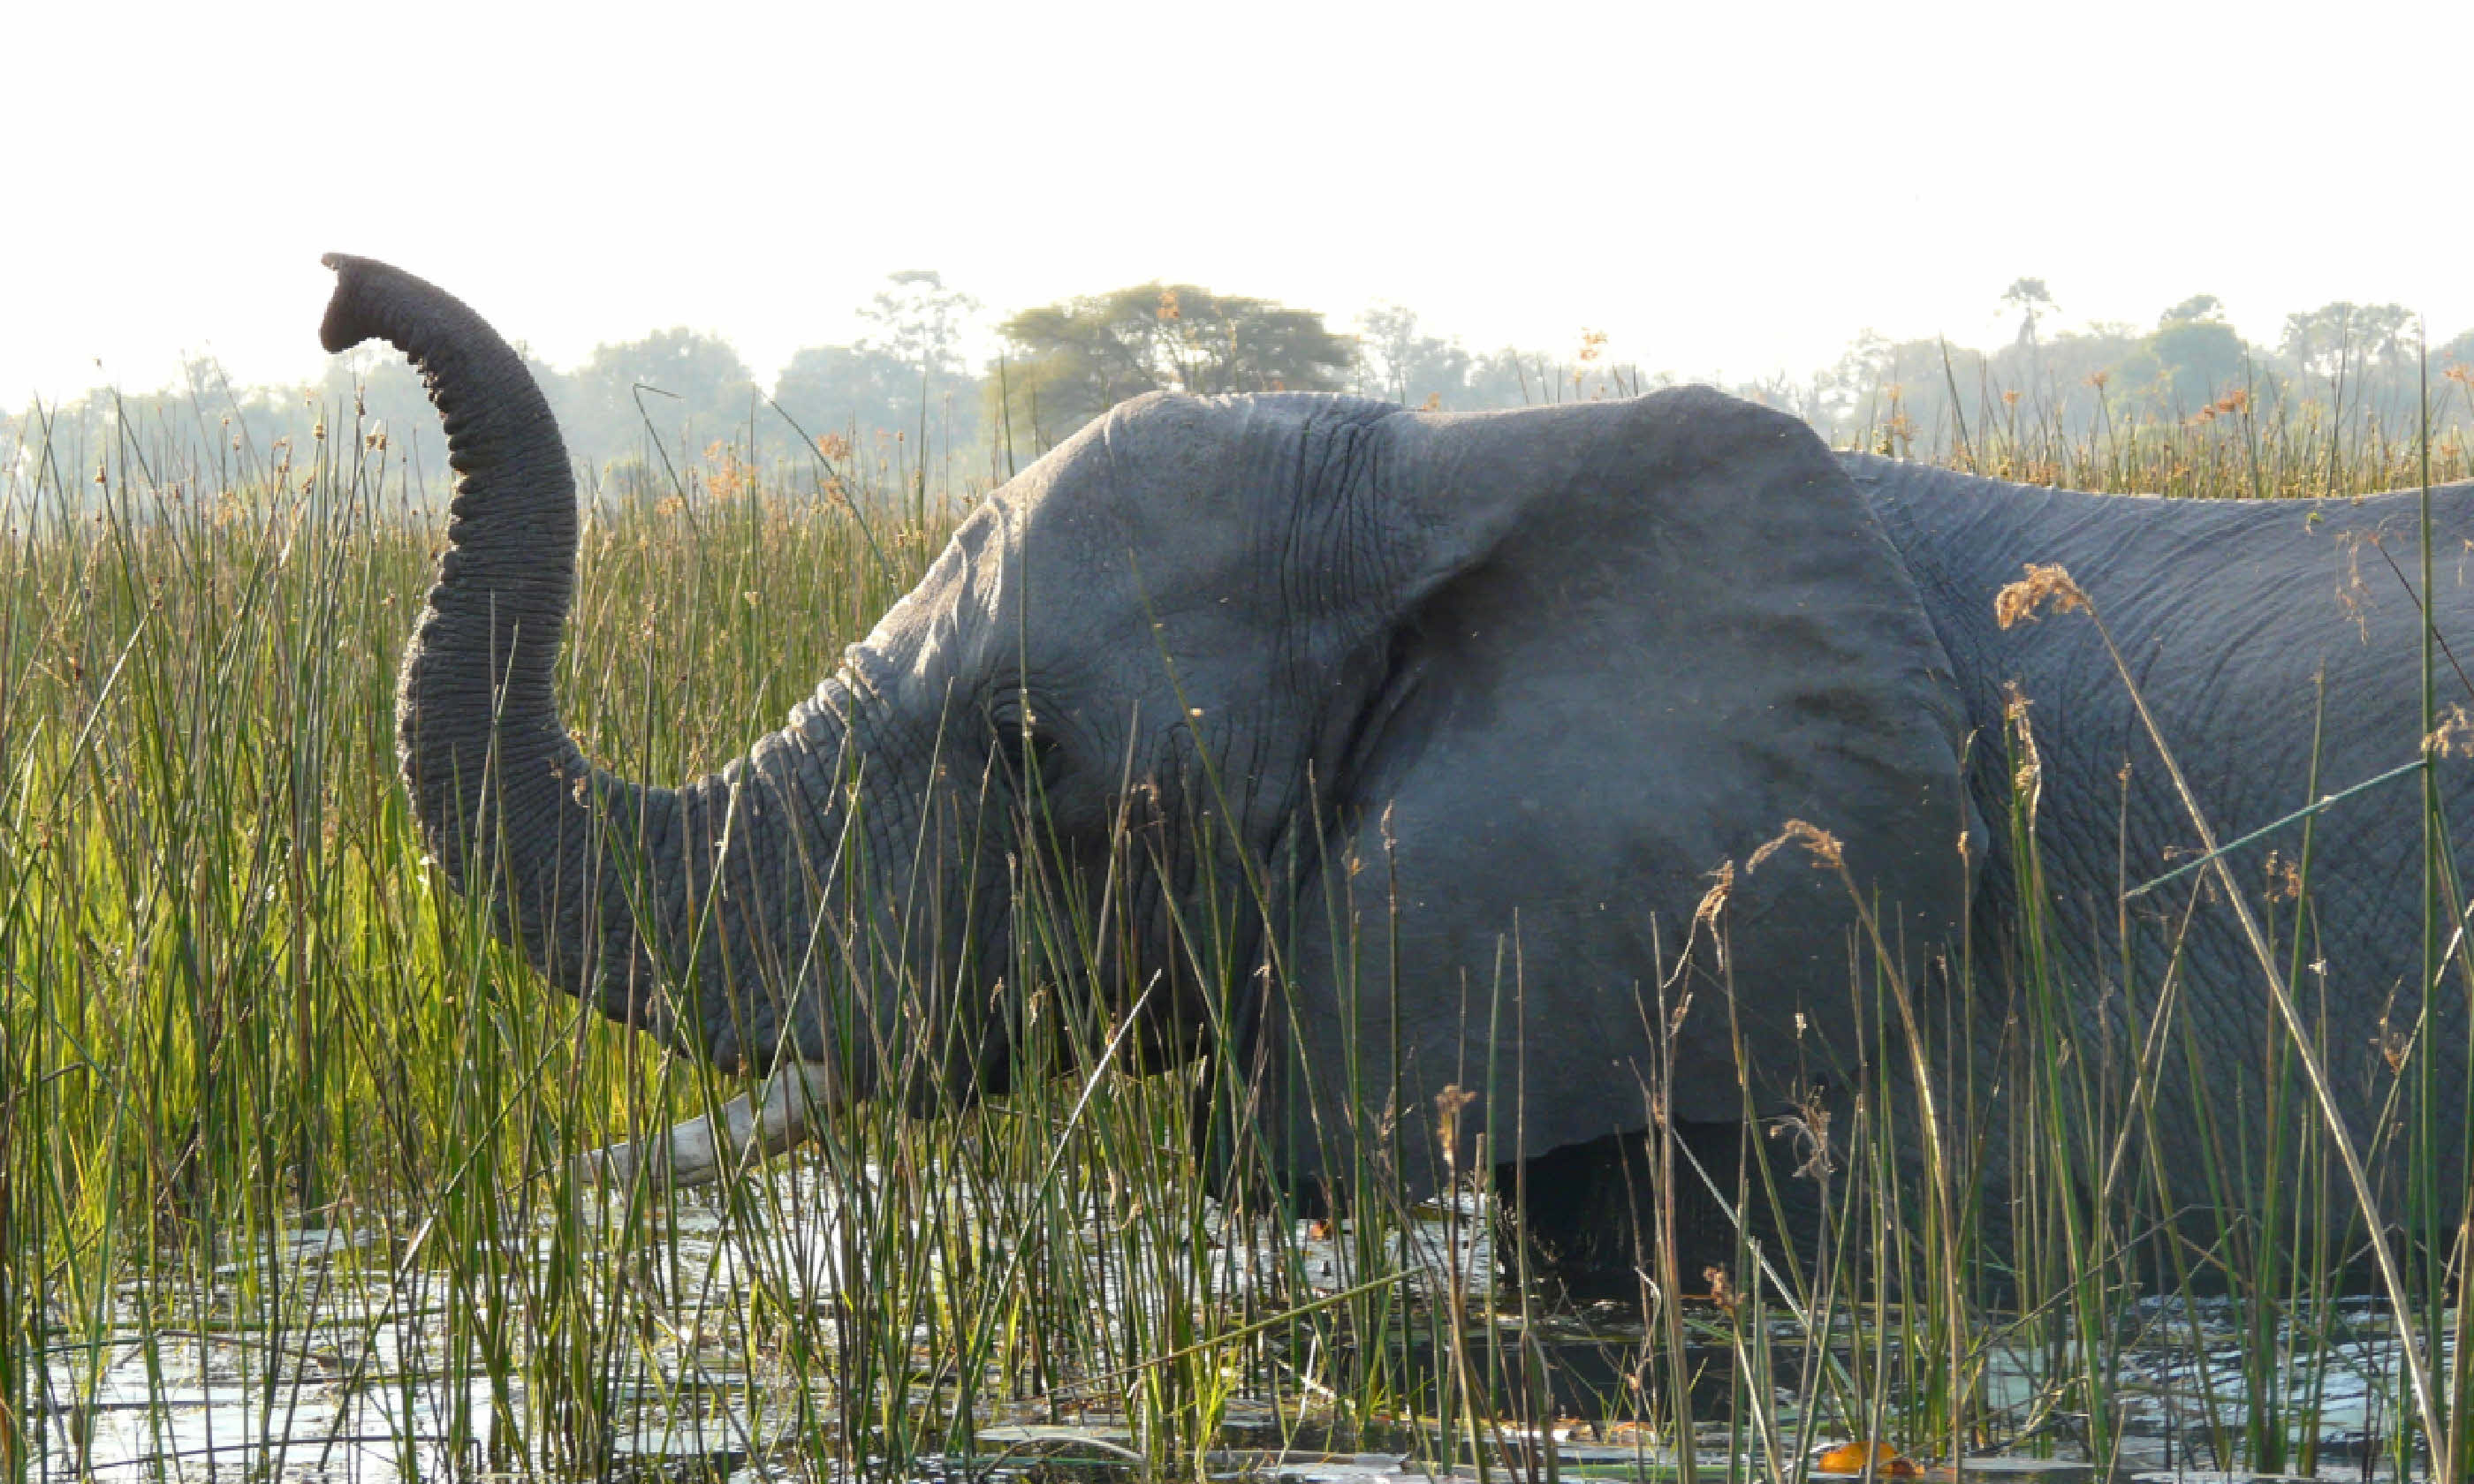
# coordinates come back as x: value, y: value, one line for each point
x: 1850, y: 1458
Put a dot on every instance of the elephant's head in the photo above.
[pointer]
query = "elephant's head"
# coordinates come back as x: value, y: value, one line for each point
x: 1122, y: 638
x: 1192, y: 650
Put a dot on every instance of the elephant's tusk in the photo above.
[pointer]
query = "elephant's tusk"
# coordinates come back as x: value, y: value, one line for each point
x: 784, y: 1111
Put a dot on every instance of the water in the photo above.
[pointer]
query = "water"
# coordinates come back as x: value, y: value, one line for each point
x: 373, y: 1375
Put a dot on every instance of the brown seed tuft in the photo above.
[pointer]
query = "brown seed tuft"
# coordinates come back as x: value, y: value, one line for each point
x: 2284, y: 877
x: 2045, y: 582
x: 1713, y: 901
x: 1823, y: 846
x: 2027, y: 774
x: 2453, y: 737
x: 1448, y: 1104
x: 1807, y: 1131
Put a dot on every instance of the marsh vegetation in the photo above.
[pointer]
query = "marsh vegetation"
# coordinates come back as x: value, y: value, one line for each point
x: 286, y: 1138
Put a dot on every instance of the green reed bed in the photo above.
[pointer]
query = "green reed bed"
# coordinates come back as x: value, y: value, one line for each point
x: 286, y: 1140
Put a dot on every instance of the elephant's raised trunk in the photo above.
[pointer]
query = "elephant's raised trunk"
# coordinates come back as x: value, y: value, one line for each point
x: 608, y: 887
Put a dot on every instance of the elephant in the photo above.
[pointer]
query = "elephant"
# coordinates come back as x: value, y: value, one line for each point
x: 1487, y: 717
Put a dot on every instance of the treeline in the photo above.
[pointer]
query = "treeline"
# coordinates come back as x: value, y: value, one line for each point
x: 902, y: 401
x: 2363, y: 367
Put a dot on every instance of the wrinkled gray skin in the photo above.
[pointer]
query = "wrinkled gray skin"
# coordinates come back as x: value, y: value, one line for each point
x: 1486, y: 696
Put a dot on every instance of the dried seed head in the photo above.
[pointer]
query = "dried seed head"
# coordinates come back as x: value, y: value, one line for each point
x: 2393, y: 1045
x: 1823, y: 846
x: 2014, y: 704
x: 2019, y: 602
x: 1713, y: 901
x: 2284, y: 877
x: 1448, y: 1104
x: 2454, y: 736
x: 1712, y: 907
x: 2028, y: 776
x: 1806, y: 1130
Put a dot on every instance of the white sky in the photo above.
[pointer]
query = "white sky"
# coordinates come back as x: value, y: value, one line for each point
x: 1730, y: 188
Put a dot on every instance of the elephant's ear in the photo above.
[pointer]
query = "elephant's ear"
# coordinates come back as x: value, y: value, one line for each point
x: 1688, y: 579
x: 1628, y: 642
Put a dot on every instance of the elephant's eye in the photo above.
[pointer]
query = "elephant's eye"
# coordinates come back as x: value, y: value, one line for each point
x: 1026, y: 748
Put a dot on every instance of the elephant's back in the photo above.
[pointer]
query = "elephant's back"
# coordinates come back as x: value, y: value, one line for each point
x: 2278, y: 648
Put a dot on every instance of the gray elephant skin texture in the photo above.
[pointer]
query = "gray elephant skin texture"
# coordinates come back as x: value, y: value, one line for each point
x: 1454, y: 715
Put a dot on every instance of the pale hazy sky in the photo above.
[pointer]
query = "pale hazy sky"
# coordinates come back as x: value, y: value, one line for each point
x: 1730, y: 188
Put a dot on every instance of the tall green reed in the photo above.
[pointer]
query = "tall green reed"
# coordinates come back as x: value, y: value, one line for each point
x: 240, y: 1009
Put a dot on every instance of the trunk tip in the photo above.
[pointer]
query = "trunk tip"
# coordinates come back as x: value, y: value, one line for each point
x: 348, y: 322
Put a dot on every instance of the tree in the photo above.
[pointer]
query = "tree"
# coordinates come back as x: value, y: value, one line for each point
x: 1397, y: 363
x: 2198, y: 309
x: 837, y: 389
x: 905, y: 378
x: 1508, y: 377
x: 2194, y: 356
x: 1081, y: 357
x: 2029, y: 296
x: 699, y: 390
x: 919, y: 322
x: 2458, y: 353
x: 2340, y: 339
x: 2074, y: 366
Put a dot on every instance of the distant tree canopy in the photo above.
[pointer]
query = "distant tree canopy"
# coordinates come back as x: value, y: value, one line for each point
x: 839, y: 388
x: 1069, y: 361
x: 1401, y: 365
x: 905, y: 377
x: 2193, y: 358
x: 2362, y: 359
x: 695, y: 389
x: 2347, y: 339
x: 1398, y: 362
x: 919, y: 321
x: 1074, y: 360
x: 2033, y: 300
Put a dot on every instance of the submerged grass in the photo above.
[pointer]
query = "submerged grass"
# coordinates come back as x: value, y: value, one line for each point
x: 285, y: 1139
